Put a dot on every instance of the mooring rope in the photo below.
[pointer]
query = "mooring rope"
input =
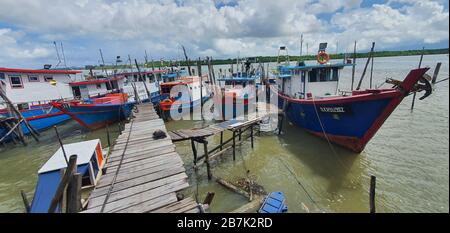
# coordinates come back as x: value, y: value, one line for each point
x: 117, y: 170
x: 326, y: 136
x: 301, y: 185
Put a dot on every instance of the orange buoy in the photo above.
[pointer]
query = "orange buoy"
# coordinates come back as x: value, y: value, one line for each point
x: 322, y: 57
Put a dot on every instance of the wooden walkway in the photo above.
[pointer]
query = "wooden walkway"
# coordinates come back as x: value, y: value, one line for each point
x: 231, y: 125
x: 143, y: 174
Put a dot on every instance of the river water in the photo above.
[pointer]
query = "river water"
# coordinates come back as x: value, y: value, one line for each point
x: 409, y: 156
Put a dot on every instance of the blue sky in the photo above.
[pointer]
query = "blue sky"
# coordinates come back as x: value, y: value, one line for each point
x: 218, y: 28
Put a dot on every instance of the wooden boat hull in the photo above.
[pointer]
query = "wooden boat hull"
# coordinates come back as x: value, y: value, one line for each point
x: 349, y: 121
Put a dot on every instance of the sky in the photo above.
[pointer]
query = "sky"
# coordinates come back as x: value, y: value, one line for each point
x: 217, y: 28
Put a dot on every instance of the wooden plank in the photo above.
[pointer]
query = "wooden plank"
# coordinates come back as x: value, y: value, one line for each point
x: 139, y: 202
x: 123, y: 193
x: 177, y: 168
x: 115, y: 162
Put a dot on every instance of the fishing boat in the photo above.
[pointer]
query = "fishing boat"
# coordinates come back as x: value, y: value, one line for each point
x: 190, y: 86
x: 40, y: 117
x: 310, y: 98
x: 30, y: 91
x: 90, y: 161
x: 238, y: 91
x: 95, y: 113
x: 141, y: 82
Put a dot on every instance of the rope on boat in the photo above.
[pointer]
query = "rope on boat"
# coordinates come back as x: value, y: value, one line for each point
x: 326, y: 136
x: 117, y: 170
x: 300, y: 183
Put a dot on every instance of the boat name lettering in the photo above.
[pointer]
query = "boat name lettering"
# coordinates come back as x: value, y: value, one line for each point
x: 333, y: 109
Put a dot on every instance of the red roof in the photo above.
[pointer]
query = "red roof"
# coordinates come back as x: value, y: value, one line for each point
x: 95, y: 81
x: 15, y: 70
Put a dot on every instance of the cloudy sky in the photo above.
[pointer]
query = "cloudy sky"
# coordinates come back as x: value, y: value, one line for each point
x: 218, y: 28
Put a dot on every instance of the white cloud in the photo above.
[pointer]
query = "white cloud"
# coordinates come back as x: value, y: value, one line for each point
x: 248, y: 27
x: 12, y: 50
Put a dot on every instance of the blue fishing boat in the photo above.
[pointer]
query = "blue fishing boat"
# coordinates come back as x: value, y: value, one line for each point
x: 310, y: 98
x: 40, y: 117
x: 90, y: 161
x: 95, y: 113
x: 29, y: 91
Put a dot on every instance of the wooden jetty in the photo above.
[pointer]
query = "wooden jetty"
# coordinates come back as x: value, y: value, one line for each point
x: 143, y: 174
x: 237, y: 128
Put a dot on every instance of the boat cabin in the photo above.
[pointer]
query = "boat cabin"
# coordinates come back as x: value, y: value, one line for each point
x: 90, y: 161
x: 96, y: 86
x: 26, y: 87
x: 304, y: 81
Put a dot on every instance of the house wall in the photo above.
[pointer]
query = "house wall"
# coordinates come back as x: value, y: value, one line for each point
x: 40, y: 90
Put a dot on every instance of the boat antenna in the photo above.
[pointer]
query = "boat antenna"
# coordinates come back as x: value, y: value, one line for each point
x: 146, y: 58
x: 57, y: 54
x: 301, y: 45
x: 63, y: 55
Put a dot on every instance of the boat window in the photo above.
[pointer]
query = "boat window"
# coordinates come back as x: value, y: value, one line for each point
x: 16, y: 81
x: 33, y: 78
x: 324, y: 75
x: 108, y: 85
x: 2, y: 76
x: 135, y: 78
x: 151, y: 77
x: 335, y: 75
x: 313, y: 76
x: 48, y: 78
x: 99, y: 86
x: 23, y: 106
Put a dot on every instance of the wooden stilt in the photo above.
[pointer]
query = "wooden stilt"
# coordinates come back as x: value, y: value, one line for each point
x: 221, y: 140
x: 251, y: 134
x: 234, y: 145
x: 194, y: 151
x: 208, y: 168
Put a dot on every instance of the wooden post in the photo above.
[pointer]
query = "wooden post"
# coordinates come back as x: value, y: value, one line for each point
x: 63, y: 184
x: 74, y: 193
x: 107, y: 135
x: 251, y: 134
x: 353, y: 68
x: 194, y: 151
x: 187, y: 60
x: 365, y: 67
x: 25, y: 201
x: 19, y: 115
x: 205, y: 149
x: 436, y: 72
x: 234, y: 145
x: 62, y: 146
x: 420, y: 64
x: 221, y: 140
x: 372, y: 193
x: 143, y: 80
x: 209, y: 197
x: 371, y: 73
